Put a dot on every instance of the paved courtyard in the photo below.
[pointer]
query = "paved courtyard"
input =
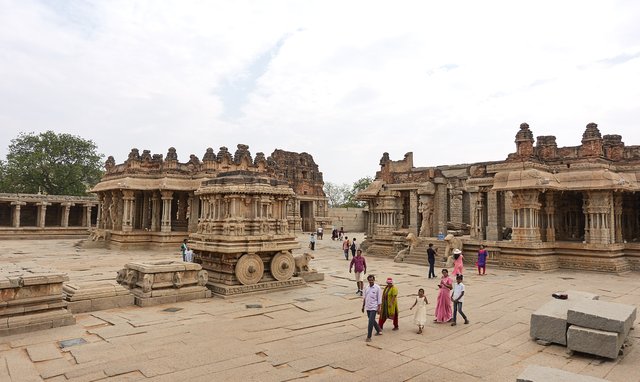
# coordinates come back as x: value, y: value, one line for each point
x: 315, y: 332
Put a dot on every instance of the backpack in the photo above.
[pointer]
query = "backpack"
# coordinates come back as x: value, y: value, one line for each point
x: 353, y: 246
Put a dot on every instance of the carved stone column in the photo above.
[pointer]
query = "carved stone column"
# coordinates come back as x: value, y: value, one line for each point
x: 526, y: 216
x: 474, y: 231
x: 549, y: 217
x: 597, y: 210
x: 66, y: 208
x: 128, y: 199
x: 16, y: 213
x: 86, y: 217
x: 155, y: 212
x: 167, y: 197
x: 493, y: 230
x: 42, y: 213
x: 145, y: 211
x: 617, y: 217
x: 440, y: 204
x: 413, y: 216
x: 194, y: 211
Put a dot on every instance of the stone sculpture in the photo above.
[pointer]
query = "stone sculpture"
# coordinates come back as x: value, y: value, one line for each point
x: 413, y: 241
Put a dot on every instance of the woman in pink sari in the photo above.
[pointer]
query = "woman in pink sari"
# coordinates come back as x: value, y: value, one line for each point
x: 458, y: 262
x: 443, y: 304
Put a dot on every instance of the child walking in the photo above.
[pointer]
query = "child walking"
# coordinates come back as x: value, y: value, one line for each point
x: 420, y: 316
x: 457, y: 296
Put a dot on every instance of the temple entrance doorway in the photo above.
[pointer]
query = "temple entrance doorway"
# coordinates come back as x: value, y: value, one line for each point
x: 306, y: 209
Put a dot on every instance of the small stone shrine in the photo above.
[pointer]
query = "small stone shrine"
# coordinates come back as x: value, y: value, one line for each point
x: 164, y: 282
x: 243, y: 238
x: 31, y: 299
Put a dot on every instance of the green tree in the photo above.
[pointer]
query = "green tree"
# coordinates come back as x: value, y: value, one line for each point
x: 336, y: 193
x: 56, y: 164
x: 343, y: 195
x: 358, y: 185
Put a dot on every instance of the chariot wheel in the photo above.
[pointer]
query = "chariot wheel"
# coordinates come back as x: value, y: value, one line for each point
x: 282, y: 266
x: 249, y: 269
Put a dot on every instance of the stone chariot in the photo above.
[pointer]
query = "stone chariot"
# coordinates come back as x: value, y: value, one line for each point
x: 243, y: 238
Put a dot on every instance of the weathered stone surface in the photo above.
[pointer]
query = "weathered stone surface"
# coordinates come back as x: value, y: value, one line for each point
x: 535, y: 373
x: 602, y: 315
x: 549, y: 322
x: 593, y: 341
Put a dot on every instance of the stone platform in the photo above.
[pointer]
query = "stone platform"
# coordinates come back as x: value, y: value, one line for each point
x: 99, y: 295
x: 224, y: 290
x: 31, y: 299
x: 164, y: 281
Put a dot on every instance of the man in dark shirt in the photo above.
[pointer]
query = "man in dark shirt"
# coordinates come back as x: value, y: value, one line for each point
x: 431, y: 255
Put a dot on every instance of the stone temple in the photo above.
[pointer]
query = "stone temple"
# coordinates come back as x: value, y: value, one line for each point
x: 544, y: 207
x: 151, y: 200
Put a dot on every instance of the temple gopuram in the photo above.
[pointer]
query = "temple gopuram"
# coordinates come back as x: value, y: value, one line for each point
x: 544, y: 207
x: 151, y: 200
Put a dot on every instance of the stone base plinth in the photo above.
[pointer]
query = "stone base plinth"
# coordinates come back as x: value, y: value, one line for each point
x: 233, y: 290
x: 99, y: 295
x: 164, y: 282
x: 535, y: 373
x: 311, y: 276
x: 170, y: 296
x: 31, y: 299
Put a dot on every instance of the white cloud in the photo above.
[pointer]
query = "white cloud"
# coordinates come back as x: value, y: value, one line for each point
x: 344, y: 81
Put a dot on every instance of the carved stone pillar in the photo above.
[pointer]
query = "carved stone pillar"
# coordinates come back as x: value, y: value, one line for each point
x: 474, y: 231
x: 128, y: 200
x: 86, y: 216
x: 440, y: 204
x: 42, y: 213
x: 597, y: 210
x: 493, y: 230
x: 155, y: 212
x: 413, y: 215
x: 426, y: 209
x: 145, y: 211
x: 549, y: 217
x: 16, y: 213
x: 617, y: 217
x: 167, y: 197
x: 66, y: 208
x: 526, y: 216
x: 194, y: 211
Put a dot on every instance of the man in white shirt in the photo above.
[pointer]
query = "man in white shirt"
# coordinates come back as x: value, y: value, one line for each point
x: 457, y: 297
x: 371, y: 302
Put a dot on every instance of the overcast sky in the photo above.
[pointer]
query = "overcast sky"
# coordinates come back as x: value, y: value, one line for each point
x: 342, y: 80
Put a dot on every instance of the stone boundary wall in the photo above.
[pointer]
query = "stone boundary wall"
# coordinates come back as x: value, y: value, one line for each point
x: 351, y: 218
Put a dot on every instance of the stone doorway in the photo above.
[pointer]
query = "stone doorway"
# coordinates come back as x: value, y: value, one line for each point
x: 306, y: 213
x: 571, y: 222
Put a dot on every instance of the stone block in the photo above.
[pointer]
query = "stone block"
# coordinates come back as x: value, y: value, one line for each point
x: 603, y: 315
x: 79, y: 306
x: 535, y: 373
x: 593, y: 341
x: 549, y: 322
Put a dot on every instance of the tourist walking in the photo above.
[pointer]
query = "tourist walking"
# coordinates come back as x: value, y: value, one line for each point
x: 359, y: 265
x: 312, y: 242
x: 458, y: 262
x: 457, y: 297
x: 353, y: 247
x: 443, y: 303
x: 431, y: 256
x: 345, y: 247
x: 389, y: 305
x: 482, y: 260
x: 320, y: 231
x: 420, y: 315
x: 372, y: 302
x: 183, y: 249
x: 341, y: 233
